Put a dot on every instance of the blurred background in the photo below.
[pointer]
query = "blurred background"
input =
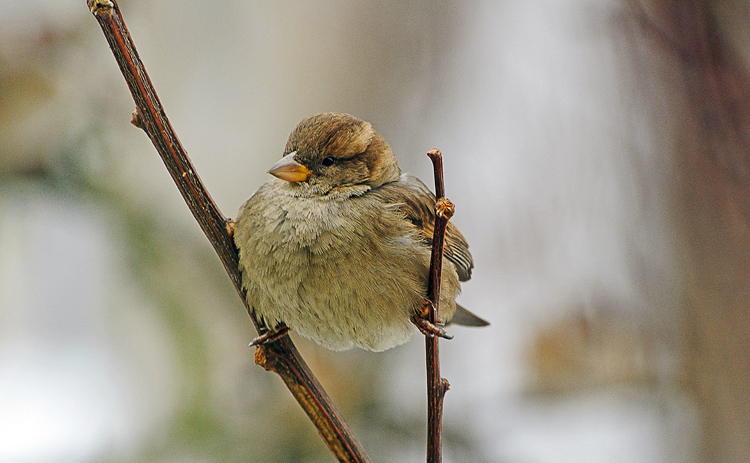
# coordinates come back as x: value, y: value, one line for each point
x: 598, y: 153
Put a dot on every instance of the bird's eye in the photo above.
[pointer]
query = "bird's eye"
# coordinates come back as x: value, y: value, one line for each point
x: 328, y: 161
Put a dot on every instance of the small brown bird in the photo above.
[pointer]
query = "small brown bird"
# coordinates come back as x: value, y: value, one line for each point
x: 337, y: 245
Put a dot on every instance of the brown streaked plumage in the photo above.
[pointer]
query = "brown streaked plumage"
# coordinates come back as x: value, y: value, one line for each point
x: 337, y: 246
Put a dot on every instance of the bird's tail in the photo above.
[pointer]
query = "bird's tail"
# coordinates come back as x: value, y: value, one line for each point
x: 466, y: 318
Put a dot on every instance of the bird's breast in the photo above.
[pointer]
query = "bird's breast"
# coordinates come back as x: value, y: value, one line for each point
x: 332, y: 270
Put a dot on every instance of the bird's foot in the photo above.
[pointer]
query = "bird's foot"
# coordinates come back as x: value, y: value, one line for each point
x: 270, y: 335
x: 423, y: 324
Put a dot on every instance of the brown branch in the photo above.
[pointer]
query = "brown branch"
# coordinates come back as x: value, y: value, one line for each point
x: 279, y: 355
x: 436, y: 385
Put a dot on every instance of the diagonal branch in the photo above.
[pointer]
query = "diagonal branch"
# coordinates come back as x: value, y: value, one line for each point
x: 280, y: 355
x: 436, y: 385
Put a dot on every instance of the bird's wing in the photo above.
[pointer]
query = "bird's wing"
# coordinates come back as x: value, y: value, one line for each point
x: 417, y: 203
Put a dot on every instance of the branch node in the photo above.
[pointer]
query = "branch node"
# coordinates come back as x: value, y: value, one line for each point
x: 101, y: 8
x: 261, y: 359
x: 445, y: 385
x: 136, y: 119
x: 229, y: 226
x: 444, y: 208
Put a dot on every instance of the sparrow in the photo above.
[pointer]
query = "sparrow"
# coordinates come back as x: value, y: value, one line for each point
x: 336, y: 244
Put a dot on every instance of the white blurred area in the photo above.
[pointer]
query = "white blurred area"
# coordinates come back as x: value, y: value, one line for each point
x: 121, y: 340
x: 85, y: 363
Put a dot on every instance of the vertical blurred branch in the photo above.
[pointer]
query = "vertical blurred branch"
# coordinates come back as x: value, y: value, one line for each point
x: 280, y: 355
x: 714, y: 161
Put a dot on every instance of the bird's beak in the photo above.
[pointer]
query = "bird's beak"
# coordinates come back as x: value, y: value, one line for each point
x: 290, y: 170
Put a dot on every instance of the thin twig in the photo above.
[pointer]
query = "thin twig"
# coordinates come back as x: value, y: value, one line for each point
x: 280, y: 355
x: 436, y: 385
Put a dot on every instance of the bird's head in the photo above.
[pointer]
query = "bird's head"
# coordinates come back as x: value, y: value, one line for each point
x: 332, y: 151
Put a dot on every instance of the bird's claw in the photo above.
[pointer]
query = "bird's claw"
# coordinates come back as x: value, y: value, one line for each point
x: 424, y: 325
x: 270, y: 335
